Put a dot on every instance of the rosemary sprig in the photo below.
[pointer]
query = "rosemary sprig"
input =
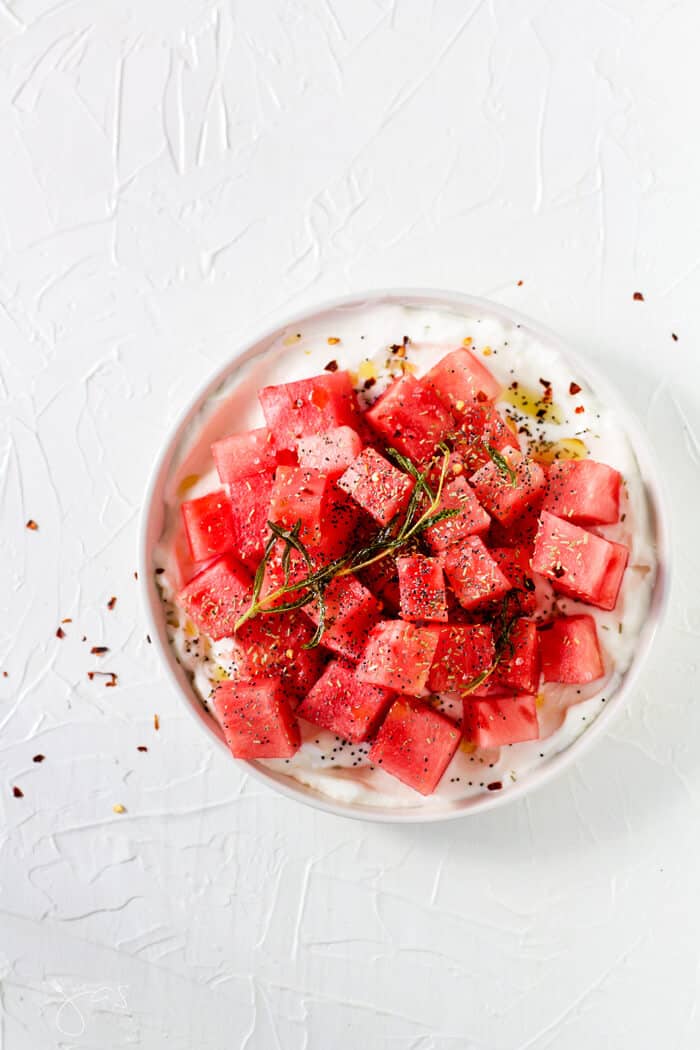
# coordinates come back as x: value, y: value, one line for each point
x: 387, y: 540
x: 502, y: 463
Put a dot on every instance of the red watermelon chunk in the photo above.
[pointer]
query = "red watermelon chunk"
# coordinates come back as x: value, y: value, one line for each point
x: 499, y: 721
x: 209, y: 525
x: 472, y: 518
x: 459, y: 378
x: 331, y: 452
x: 522, y: 531
x: 344, y: 705
x: 579, y: 564
x: 250, y: 506
x: 217, y: 597
x: 309, y: 406
x: 583, y: 491
x: 421, y: 588
x: 415, y: 744
x: 273, y: 647
x: 184, y: 568
x: 514, y: 562
x: 298, y: 494
x: 257, y: 718
x: 612, y: 581
x: 351, y: 612
x: 411, y: 419
x: 480, y: 425
x: 519, y: 666
x: 506, y: 495
x: 570, y: 651
x: 241, y: 455
x: 377, y: 486
x: 462, y: 653
x: 398, y: 656
x: 473, y: 574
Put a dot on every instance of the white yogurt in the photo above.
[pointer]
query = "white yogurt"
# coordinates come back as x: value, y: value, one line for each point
x: 511, y: 353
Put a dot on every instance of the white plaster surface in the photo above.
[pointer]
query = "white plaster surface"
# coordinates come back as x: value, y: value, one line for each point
x: 175, y: 174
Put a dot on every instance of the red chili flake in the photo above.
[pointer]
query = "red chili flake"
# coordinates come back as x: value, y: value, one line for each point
x: 136, y: 576
x: 60, y: 633
x: 520, y: 283
x: 638, y: 297
x: 545, y: 382
x: 99, y: 650
x: 674, y: 337
x: 142, y: 747
x: 38, y: 758
x: 5, y: 674
x: 332, y: 366
x: 113, y: 677
x: 495, y: 785
x: 579, y: 409
x: 17, y: 792
x: 574, y: 389
x: 481, y: 396
x: 31, y: 524
x: 369, y: 383
x: 156, y: 723
x: 67, y: 619
x: 111, y: 603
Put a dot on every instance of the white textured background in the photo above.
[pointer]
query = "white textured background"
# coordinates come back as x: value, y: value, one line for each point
x: 173, y: 175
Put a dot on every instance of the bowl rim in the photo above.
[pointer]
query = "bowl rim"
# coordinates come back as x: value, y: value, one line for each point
x: 657, y: 498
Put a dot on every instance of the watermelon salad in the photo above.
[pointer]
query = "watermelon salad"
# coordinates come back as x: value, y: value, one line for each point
x: 412, y: 572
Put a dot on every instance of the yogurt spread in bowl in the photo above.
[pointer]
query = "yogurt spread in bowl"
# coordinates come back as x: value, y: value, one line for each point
x: 552, y: 415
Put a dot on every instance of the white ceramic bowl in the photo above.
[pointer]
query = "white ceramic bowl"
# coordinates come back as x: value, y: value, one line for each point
x: 152, y: 525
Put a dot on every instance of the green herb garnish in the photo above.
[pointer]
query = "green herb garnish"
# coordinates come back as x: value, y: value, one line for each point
x: 387, y: 540
x: 506, y: 623
x: 502, y: 463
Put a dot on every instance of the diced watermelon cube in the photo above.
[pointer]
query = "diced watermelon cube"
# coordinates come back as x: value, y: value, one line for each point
x: 217, y: 597
x: 570, y: 651
x: 498, y: 721
x: 272, y: 646
x: 309, y: 406
x: 519, y: 666
x: 415, y: 744
x: 331, y: 452
x: 462, y: 653
x: 257, y: 718
x: 459, y: 378
x: 209, y: 525
x: 184, y: 568
x: 481, y: 425
x: 411, y: 419
x: 343, y: 704
x: 612, y: 581
x: 351, y: 612
x: 514, y: 562
x: 522, y: 531
x: 240, y: 455
x: 421, y: 588
x: 298, y: 494
x: 473, y: 574
x: 472, y: 518
x: 398, y: 656
x: 250, y: 506
x: 377, y: 486
x: 506, y: 493
x: 579, y: 564
x: 583, y: 491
